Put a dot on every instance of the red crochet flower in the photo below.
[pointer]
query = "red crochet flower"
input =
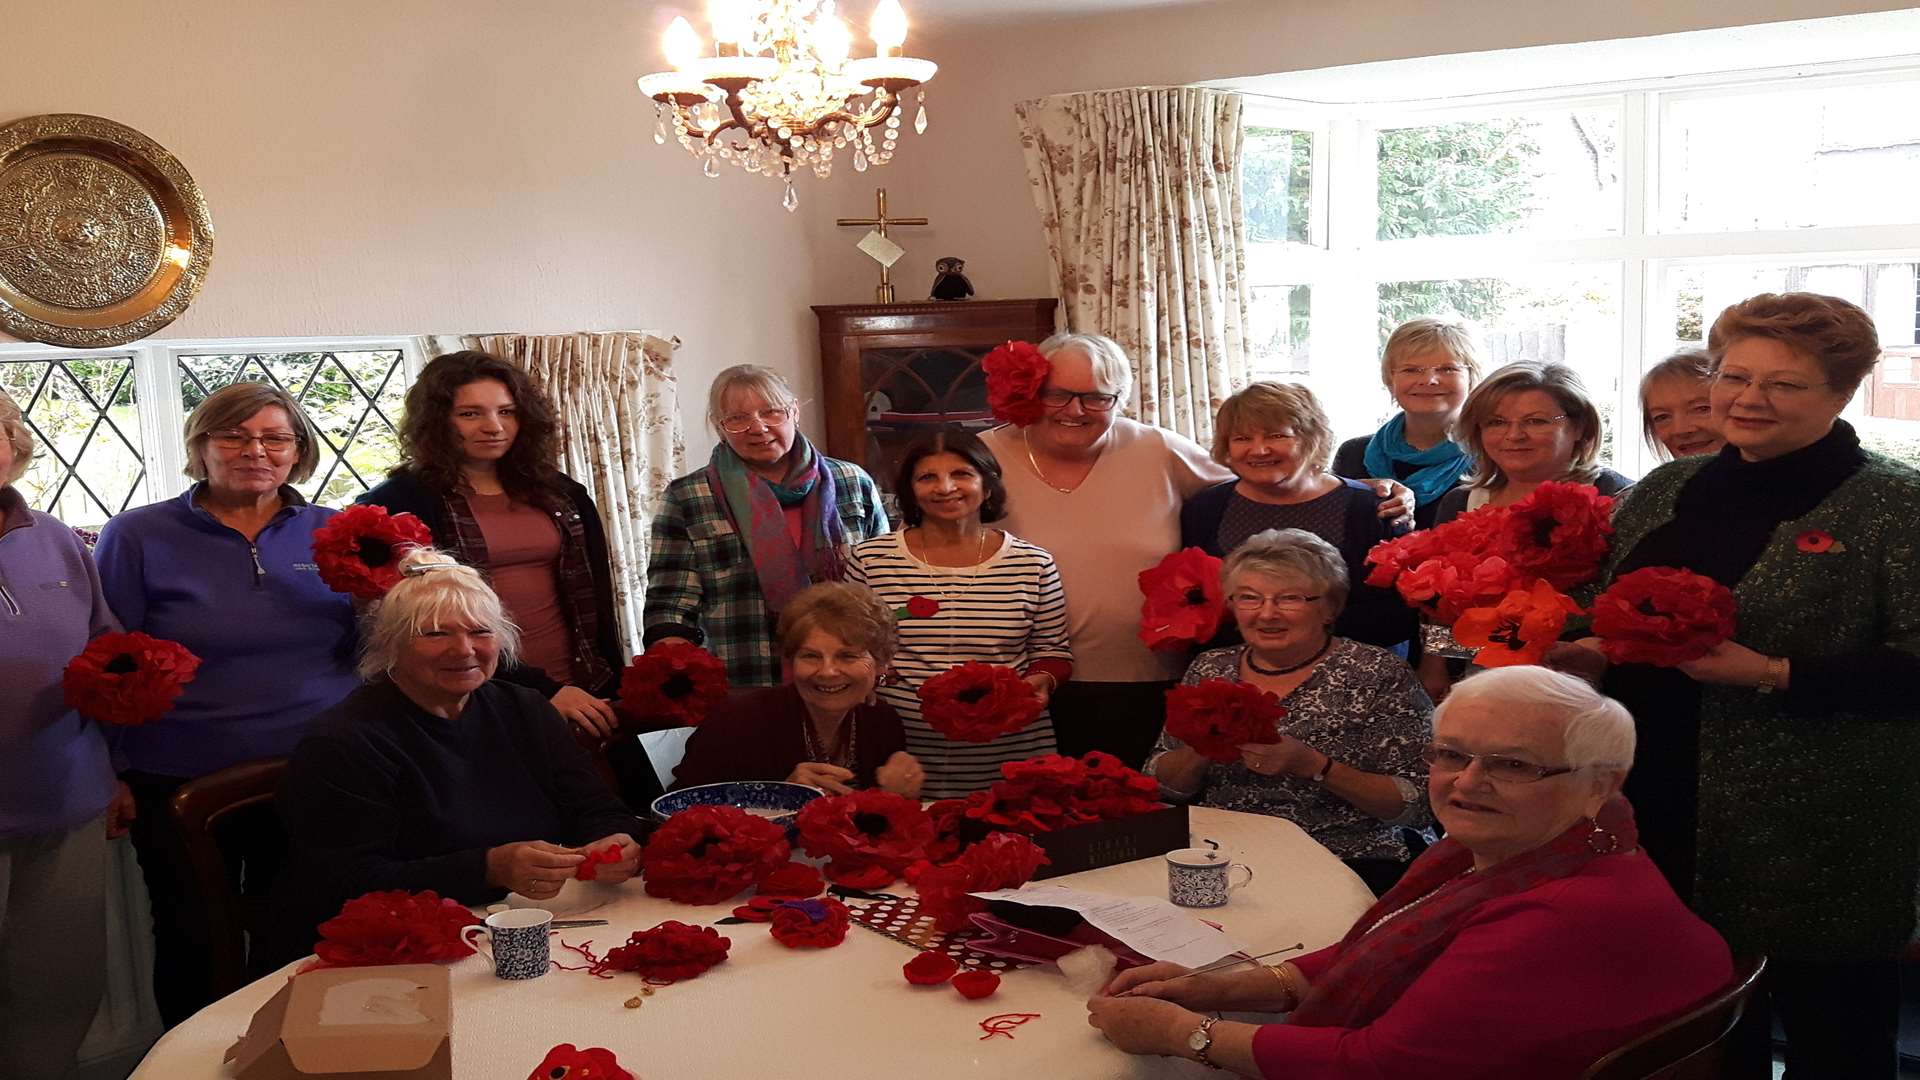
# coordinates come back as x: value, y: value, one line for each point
x: 1016, y: 373
x: 1661, y: 616
x: 1814, y: 541
x: 1218, y: 716
x: 930, y: 969
x: 127, y: 678
x: 810, y: 924
x: 395, y: 928
x: 358, y: 550
x: 977, y: 702
x: 794, y: 881
x: 976, y: 984
x: 705, y: 854
x: 1517, y: 630
x: 567, y: 1063
x: 1183, y: 604
x: 1000, y: 860
x: 606, y: 856
x: 921, y: 607
x: 1559, y: 533
x: 673, y: 684
x: 868, y: 837
x: 672, y: 950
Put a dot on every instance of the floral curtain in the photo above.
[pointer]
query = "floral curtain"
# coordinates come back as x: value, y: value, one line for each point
x: 619, y: 431
x: 1139, y: 194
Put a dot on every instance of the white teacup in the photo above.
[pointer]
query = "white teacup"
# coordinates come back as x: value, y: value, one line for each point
x: 1201, y: 877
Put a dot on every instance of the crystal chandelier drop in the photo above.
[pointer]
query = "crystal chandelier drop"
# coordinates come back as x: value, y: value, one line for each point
x: 779, y: 92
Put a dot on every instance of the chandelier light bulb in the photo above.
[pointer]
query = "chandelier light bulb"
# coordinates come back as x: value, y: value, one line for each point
x: 889, y: 26
x: 731, y: 22
x: 680, y: 43
x: 833, y: 43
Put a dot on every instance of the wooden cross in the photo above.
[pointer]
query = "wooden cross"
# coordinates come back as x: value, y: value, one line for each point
x: 879, y: 221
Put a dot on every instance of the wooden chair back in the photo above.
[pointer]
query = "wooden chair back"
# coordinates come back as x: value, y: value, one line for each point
x: 202, y: 809
x: 1690, y: 1046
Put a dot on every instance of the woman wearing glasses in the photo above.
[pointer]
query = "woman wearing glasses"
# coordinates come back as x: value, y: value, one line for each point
x: 768, y: 516
x: 1530, y: 942
x: 1676, y: 406
x: 1347, y: 767
x: 1429, y: 365
x: 1776, y: 773
x: 1102, y: 493
x: 225, y: 569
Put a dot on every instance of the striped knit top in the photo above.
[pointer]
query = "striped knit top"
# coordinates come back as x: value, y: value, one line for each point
x: 1008, y: 610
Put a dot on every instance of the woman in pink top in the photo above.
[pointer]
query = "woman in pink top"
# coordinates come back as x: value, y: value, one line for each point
x: 1530, y: 942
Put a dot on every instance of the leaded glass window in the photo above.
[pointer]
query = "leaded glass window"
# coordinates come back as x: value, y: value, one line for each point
x: 88, y: 464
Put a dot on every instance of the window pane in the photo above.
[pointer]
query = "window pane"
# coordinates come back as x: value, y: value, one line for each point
x: 353, y: 399
x: 1792, y: 158
x: 1566, y: 314
x: 1277, y: 337
x: 1546, y: 172
x: 1276, y: 185
x: 87, y: 464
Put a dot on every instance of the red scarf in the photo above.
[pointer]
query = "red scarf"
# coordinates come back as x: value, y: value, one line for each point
x: 1370, y: 970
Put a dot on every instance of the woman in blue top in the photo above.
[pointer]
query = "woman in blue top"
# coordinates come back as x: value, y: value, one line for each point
x: 225, y: 569
x: 1428, y: 366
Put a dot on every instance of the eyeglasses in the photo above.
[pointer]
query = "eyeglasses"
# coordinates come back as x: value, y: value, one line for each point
x: 1773, y: 389
x: 1090, y: 400
x: 273, y: 442
x: 1445, y: 371
x: 1253, y: 601
x: 1498, y: 767
x: 1532, y: 425
x: 741, y: 423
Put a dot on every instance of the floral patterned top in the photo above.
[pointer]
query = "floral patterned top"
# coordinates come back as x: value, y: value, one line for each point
x: 1364, y: 708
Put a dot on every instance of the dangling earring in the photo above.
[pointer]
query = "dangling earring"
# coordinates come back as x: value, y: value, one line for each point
x: 1601, y: 841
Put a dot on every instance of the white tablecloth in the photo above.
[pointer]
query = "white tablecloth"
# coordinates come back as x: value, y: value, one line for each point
x: 837, y: 1014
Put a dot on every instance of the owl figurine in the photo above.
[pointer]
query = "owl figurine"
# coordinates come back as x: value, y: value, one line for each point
x: 564, y: 1062
x: 948, y: 282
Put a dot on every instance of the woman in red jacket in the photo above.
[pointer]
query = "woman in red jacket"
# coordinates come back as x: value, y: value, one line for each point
x: 1530, y: 942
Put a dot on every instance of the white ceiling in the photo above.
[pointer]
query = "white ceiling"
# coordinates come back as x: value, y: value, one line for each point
x: 966, y: 14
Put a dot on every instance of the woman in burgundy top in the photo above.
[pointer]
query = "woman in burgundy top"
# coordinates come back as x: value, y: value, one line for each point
x: 1530, y: 942
x: 823, y: 727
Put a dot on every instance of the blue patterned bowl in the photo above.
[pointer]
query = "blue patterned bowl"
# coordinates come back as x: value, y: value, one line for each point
x: 776, y: 800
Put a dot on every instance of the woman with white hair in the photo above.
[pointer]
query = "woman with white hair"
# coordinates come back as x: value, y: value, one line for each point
x: 1537, y: 916
x: 432, y: 776
x: 768, y: 516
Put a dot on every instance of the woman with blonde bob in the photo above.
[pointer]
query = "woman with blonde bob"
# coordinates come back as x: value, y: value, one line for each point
x: 1537, y: 914
x: 1676, y: 406
x: 433, y: 775
x: 1428, y: 365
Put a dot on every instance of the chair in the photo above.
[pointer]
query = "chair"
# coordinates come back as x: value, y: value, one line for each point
x: 234, y: 800
x: 1689, y: 1046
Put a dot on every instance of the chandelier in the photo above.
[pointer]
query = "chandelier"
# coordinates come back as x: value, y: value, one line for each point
x: 781, y: 91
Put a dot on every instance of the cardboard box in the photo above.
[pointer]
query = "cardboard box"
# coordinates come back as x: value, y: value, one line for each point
x: 357, y: 1023
x: 1104, y: 843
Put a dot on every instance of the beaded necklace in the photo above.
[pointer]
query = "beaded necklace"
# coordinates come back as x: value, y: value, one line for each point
x: 849, y: 740
x: 1421, y: 899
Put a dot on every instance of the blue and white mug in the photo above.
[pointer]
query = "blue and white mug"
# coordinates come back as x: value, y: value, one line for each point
x: 518, y: 941
x: 1202, y: 877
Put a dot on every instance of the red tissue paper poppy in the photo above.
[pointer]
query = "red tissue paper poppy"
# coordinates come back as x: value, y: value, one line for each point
x: 1447, y: 585
x: 358, y: 550
x: 1051, y: 791
x: 673, y: 684
x: 930, y: 969
x: 955, y: 825
x: 671, y: 950
x: 810, y: 924
x: 976, y: 984
x: 1016, y: 373
x: 598, y: 857
x: 977, y: 702
x: 128, y: 678
x: 565, y: 1062
x: 706, y: 854
x: 395, y: 927
x: 1519, y: 629
x: 1183, y: 604
x: 1218, y: 716
x: 1000, y: 860
x: 794, y: 881
x: 868, y: 837
x: 1660, y: 616
x: 1559, y: 533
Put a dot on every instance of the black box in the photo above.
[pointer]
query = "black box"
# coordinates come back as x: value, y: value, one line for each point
x: 1105, y: 843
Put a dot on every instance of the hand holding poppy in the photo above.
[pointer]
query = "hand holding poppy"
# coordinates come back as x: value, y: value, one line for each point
x: 1217, y: 717
x: 1661, y: 616
x: 612, y: 859
x: 1733, y: 664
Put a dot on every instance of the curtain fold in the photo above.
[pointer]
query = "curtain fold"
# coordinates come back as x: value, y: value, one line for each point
x: 620, y: 434
x: 1139, y: 196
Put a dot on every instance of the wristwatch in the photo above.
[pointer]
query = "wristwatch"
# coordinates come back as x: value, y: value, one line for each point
x: 1201, y: 1040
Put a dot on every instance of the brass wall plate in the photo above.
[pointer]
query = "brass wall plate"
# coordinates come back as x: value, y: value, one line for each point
x: 104, y: 237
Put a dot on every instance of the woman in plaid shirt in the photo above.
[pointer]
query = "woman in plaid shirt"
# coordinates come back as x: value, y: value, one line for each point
x: 768, y: 516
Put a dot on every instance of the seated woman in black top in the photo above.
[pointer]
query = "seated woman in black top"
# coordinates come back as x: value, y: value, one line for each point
x: 431, y: 776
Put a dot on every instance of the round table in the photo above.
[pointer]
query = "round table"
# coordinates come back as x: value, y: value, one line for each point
x: 835, y: 1014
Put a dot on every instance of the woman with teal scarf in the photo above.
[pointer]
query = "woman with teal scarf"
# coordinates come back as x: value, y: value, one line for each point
x: 768, y: 516
x: 1429, y: 365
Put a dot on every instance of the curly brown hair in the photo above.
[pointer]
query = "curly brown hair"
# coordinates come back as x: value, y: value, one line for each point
x: 1838, y: 336
x: 428, y: 445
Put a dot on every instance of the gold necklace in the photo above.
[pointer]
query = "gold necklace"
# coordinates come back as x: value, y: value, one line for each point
x: 1036, y: 468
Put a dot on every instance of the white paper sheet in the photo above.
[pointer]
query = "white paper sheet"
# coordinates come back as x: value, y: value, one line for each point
x: 1151, y: 926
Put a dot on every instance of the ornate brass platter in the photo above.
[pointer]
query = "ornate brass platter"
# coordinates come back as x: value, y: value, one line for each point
x: 104, y: 238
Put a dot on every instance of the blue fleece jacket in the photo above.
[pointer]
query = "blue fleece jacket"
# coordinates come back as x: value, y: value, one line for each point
x: 276, y: 645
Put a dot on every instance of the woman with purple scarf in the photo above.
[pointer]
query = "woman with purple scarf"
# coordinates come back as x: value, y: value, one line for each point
x: 768, y: 516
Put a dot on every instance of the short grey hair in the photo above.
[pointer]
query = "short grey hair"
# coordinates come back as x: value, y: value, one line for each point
x: 1598, y: 730
x: 1111, y: 368
x: 1290, y: 553
x: 758, y: 378
x: 424, y: 601
x: 235, y: 404
x: 13, y: 428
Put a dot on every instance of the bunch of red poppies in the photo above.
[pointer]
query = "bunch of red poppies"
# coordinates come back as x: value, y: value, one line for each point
x: 1219, y: 716
x: 868, y: 838
x: 1000, y: 860
x: 395, y: 927
x: 705, y: 854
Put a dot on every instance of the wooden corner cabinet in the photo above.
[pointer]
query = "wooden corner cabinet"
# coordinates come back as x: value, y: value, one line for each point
x: 890, y: 371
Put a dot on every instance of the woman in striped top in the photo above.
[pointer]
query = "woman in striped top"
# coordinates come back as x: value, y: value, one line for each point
x: 996, y: 599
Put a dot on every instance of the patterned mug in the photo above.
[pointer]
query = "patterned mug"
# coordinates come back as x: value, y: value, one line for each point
x: 1201, y: 877
x: 517, y: 940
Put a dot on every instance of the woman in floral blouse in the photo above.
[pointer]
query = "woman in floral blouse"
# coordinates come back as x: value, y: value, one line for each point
x: 1347, y: 767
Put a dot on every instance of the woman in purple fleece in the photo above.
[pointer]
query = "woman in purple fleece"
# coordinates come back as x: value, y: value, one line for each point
x: 227, y: 570
x: 58, y: 799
